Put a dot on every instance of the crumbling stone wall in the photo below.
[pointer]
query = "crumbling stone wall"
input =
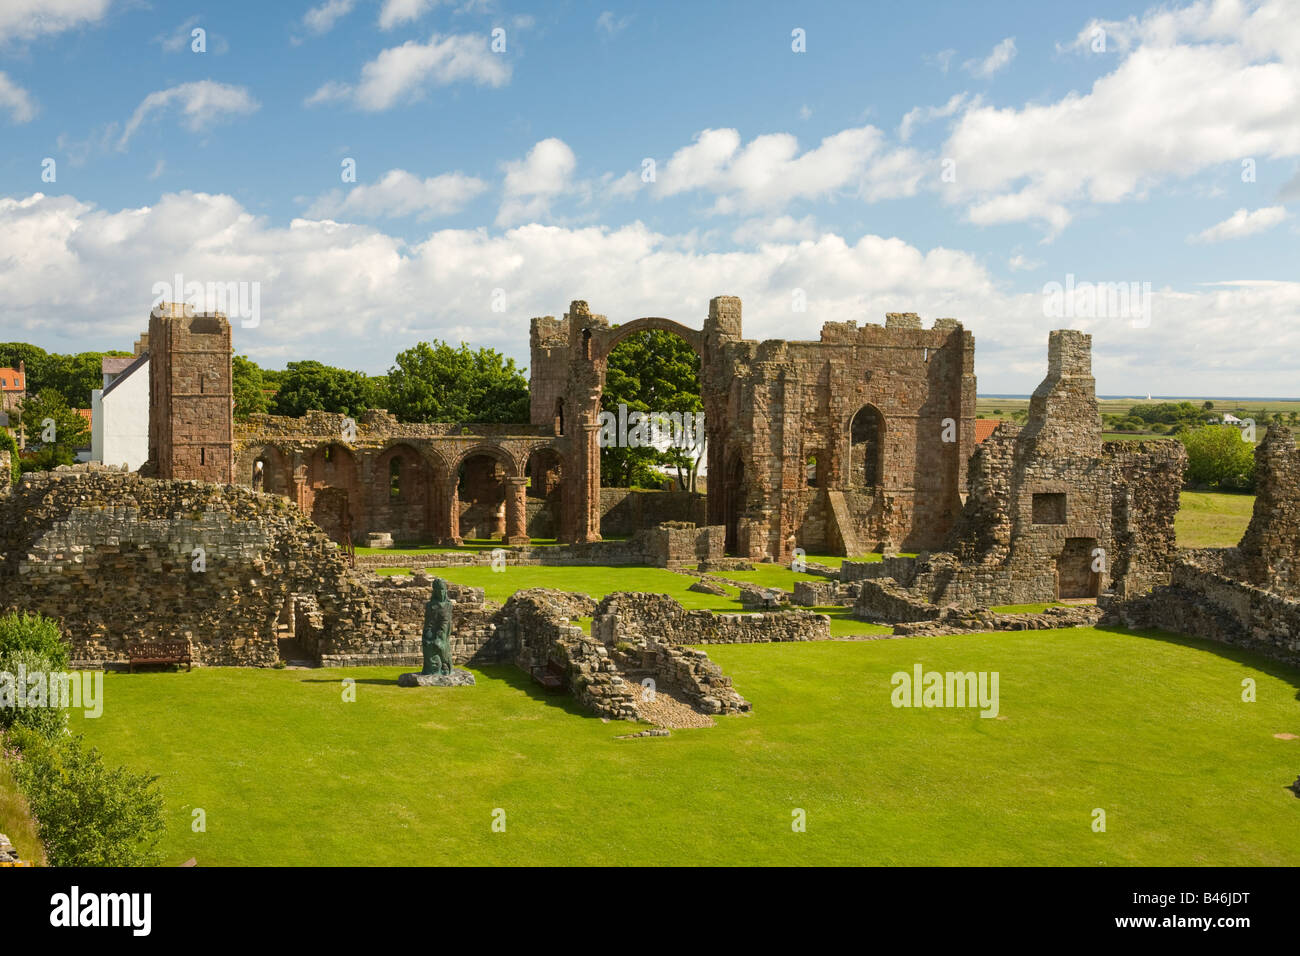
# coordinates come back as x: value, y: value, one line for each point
x: 118, y: 558
x: 1246, y: 595
x: 1269, y: 552
x: 657, y: 618
x: 1051, y: 512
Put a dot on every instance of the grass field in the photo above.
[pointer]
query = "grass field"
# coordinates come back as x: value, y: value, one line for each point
x: 1153, y: 731
x: 1212, y: 519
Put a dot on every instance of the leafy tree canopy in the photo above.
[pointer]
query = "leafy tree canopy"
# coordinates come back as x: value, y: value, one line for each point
x: 433, y: 382
x: 651, y: 371
x: 1217, y: 456
x: 312, y: 386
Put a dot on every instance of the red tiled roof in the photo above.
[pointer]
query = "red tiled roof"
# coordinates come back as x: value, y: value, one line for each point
x: 984, y: 428
x: 86, y: 414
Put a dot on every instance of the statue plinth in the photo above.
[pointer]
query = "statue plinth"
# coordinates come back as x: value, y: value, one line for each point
x: 457, y: 678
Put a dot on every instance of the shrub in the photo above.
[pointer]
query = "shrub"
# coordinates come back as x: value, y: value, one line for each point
x: 9, y: 444
x: 1218, y: 456
x: 89, y: 814
x: 33, y: 632
x: 49, y: 721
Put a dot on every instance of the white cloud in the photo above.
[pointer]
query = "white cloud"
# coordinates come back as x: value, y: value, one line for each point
x: 401, y: 73
x: 1000, y: 58
x: 158, y: 169
x: 321, y: 19
x: 396, y: 12
x: 16, y: 100
x: 1242, y: 223
x: 769, y: 171
x: 1022, y: 263
x: 353, y: 295
x: 532, y: 183
x: 203, y: 104
x: 1197, y: 87
x: 927, y: 114
x: 27, y: 19
x: 399, y: 193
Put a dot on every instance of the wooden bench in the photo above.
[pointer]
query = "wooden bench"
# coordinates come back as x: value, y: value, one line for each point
x: 551, y: 676
x: 160, y: 652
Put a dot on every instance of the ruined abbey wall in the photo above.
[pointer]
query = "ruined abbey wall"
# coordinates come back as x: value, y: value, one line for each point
x: 882, y: 416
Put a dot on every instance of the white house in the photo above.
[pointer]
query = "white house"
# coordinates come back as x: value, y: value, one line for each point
x: 119, y: 428
x: 1231, y: 419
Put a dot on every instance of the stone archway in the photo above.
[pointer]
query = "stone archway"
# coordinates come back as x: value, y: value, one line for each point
x: 402, y: 494
x: 333, y: 495
x: 545, y: 481
x: 271, y: 472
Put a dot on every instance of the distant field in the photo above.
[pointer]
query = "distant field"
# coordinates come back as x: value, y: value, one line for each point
x: 1209, y: 519
x: 986, y: 407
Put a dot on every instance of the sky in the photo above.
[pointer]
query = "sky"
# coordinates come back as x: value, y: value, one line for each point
x: 355, y: 176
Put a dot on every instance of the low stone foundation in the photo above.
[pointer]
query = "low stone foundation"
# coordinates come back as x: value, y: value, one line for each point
x: 657, y: 618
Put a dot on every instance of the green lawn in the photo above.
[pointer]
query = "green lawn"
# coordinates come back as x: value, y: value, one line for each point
x: 1209, y: 519
x: 1153, y: 731
x: 593, y: 581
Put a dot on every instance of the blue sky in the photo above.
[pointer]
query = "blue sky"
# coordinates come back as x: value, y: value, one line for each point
x: 945, y: 158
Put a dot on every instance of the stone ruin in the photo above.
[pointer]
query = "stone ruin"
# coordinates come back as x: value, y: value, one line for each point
x: 1052, y: 512
x: 1248, y: 595
x: 229, y: 537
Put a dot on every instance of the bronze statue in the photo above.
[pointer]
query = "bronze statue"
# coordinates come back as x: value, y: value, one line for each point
x: 436, y: 638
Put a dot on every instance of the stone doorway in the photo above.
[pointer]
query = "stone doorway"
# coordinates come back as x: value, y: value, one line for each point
x: 1074, y: 575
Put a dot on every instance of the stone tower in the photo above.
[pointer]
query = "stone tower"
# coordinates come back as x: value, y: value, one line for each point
x: 191, y: 394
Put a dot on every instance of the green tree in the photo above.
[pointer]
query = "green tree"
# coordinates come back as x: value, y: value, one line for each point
x: 39, y: 363
x: 54, y: 430
x: 311, y: 386
x: 10, y: 444
x: 652, y: 371
x: 249, y: 387
x: 433, y: 382
x: 1217, y: 456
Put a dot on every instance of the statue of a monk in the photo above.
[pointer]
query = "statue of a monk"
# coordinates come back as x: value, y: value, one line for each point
x: 436, y: 638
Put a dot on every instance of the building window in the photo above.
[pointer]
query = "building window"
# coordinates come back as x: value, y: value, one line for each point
x: 866, y: 439
x: 395, y: 478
